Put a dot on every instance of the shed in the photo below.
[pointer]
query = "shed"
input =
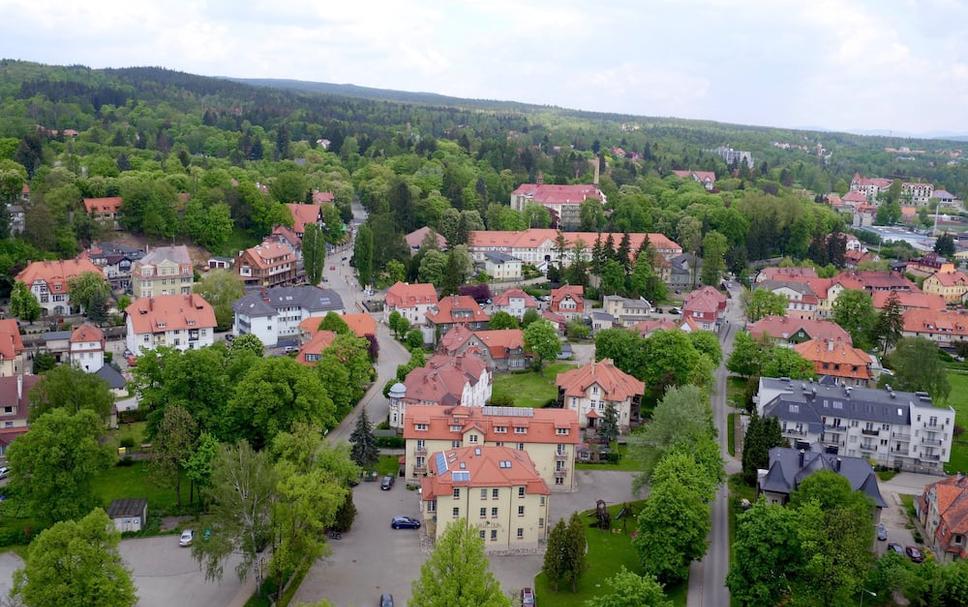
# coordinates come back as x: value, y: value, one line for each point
x: 129, y: 514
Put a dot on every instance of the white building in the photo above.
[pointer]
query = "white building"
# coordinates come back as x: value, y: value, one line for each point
x: 590, y: 389
x: 515, y: 302
x: 627, y: 311
x: 412, y: 301
x: 275, y: 313
x: 86, y: 348
x: 501, y: 266
x: 49, y: 282
x: 184, y: 322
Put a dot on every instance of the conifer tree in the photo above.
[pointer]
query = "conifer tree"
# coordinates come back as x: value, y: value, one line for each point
x: 608, y: 429
x: 575, y: 553
x: 555, y: 554
x: 364, y: 451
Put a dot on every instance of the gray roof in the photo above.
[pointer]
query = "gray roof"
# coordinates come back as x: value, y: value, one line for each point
x: 56, y: 335
x: 127, y: 507
x: 499, y: 257
x: 787, y: 471
x: 177, y: 253
x: 253, y: 305
x: 772, y: 285
x: 112, y: 376
x: 600, y: 315
x: 265, y: 302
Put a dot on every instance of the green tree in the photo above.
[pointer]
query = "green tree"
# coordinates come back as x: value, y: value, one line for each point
x: 767, y: 555
x: 669, y: 359
x: 608, y: 428
x: 613, y: 278
x: 576, y: 545
x: 917, y: 368
x: 363, y: 254
x: 714, y: 247
x: 75, y: 564
x: 364, y: 451
x: 761, y: 302
x: 314, y: 253
x: 747, y: 356
x: 396, y: 271
x: 335, y: 323
x: 458, y: 266
x: 627, y: 589
x: 785, y: 362
x: 530, y: 315
x: 90, y: 291
x: 248, y: 342
x: 69, y: 388
x: 23, y: 304
x: 707, y: 343
x: 890, y: 323
x: 556, y: 554
x: 198, y: 465
x: 854, y: 312
x: 945, y: 245
x: 541, y: 340
x: 220, y: 288
x: 762, y: 434
x: 457, y: 573
x: 208, y: 225
x: 592, y: 215
x: 173, y: 445
x: 432, y: 268
x: 502, y: 320
x: 52, y: 465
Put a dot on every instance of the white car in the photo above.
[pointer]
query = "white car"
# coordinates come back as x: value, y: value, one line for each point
x: 186, y: 538
x: 4, y: 472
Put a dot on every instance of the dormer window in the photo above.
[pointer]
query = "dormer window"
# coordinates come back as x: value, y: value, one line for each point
x: 455, y: 428
x: 420, y: 427
x: 501, y: 429
x: 520, y: 430
x: 561, y: 431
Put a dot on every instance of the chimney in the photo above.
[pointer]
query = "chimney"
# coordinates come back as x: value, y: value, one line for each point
x: 801, y: 458
x: 20, y: 388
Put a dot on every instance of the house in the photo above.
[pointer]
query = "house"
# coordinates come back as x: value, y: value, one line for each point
x: 838, y: 359
x: 57, y: 344
x: 286, y: 236
x: 549, y: 436
x: 18, y: 219
x: 48, y: 281
x: 183, y: 322
x: 14, y: 407
x: 942, y: 509
x: 321, y: 198
x: 163, y: 271
x: 793, y: 274
x: 105, y: 211
x: 361, y: 324
x: 312, y: 350
x: 588, y: 390
x: 303, y: 215
x: 601, y: 320
x: 927, y: 264
x: 909, y: 301
x: 495, y: 489
x: 627, y: 311
x: 895, y: 429
x: 451, y: 311
x: 788, y: 468
x: 943, y: 327
x: 705, y: 306
x: 416, y: 239
x: 268, y: 264
x: 501, y: 349
x: 501, y: 266
x: 949, y: 283
x: 562, y: 201
x: 864, y: 214
x: 274, y: 314
x: 114, y: 379
x: 706, y: 178
x: 944, y: 197
x: 86, y: 349
x: 559, y: 322
x: 802, y: 302
x: 869, y: 186
x: 568, y: 301
x: 855, y: 199
x: 919, y: 193
x: 129, y: 515
x: 216, y: 262
x: 797, y: 330
x: 459, y: 380
x: 116, y: 262
x: 647, y: 327
x: 412, y: 301
x: 682, y: 269
x: 11, y: 348
x: 515, y: 302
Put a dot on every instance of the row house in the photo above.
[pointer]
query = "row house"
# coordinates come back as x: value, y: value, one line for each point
x: 163, y: 271
x: 183, y: 322
x: 802, y: 302
x: 515, y: 302
x: 11, y: 348
x: 14, y: 407
x: 949, y: 283
x: 909, y: 301
x: 942, y: 327
x: 568, y: 301
x: 501, y: 349
x: 412, y: 301
x: 116, y: 262
x: 901, y: 430
x: 705, y: 307
x: 838, y: 359
x: 942, y: 509
x: 797, y: 330
x: 562, y: 201
x: 267, y: 265
x: 273, y: 314
x: 49, y: 283
x: 86, y: 348
x: 106, y: 211
x: 918, y: 192
x: 590, y: 389
x: 452, y: 311
x: 462, y: 380
x: 549, y: 436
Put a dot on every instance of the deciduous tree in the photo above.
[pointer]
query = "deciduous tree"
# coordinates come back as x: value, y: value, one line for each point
x: 627, y: 589
x: 220, y: 288
x: 917, y: 368
x: 173, y: 445
x: 69, y: 388
x: 762, y: 302
x: 714, y: 247
x: 502, y: 320
x: 541, y: 340
x: 854, y: 312
x: 23, y: 304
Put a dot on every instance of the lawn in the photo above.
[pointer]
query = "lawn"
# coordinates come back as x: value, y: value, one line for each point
x: 240, y: 239
x: 389, y: 465
x: 625, y: 463
x: 528, y: 389
x: 607, y: 553
x: 135, y: 431
x: 735, y: 392
x: 731, y: 433
x: 958, y: 400
x: 135, y: 481
x: 738, y: 490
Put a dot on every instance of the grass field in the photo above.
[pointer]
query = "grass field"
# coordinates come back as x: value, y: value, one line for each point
x: 625, y: 463
x: 607, y: 553
x: 388, y: 465
x: 735, y: 391
x: 958, y: 400
x: 528, y: 389
x: 135, y: 431
x: 240, y: 239
x: 135, y: 481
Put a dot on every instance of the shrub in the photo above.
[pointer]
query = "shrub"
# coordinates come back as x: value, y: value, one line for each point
x: 127, y: 442
x: 345, y: 515
x: 391, y: 442
x: 125, y: 461
x: 502, y: 400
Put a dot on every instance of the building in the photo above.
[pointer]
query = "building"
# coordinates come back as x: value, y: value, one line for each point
x: 303, y: 215
x: 285, y: 236
x: 18, y: 219
x: 501, y: 349
x: 451, y: 311
x: 949, y: 283
x: 14, y: 407
x: 627, y: 311
x: 416, y: 239
x: 495, y: 489
x: 105, y: 211
x: 312, y: 350
x: 129, y: 515
x: 183, y: 322
x: 797, y: 330
x: 361, y: 324
x: 115, y: 381
x: 86, y: 348
x: 909, y: 301
x: 944, y: 197
x: 216, y: 262
x: 731, y: 156
x: 515, y: 302
x: 163, y: 271
x: 792, y: 274
x: 116, y: 262
x: 322, y: 198
x: 706, y: 178
x: 943, y: 327
x: 269, y: 264
x: 601, y: 320
x: 568, y: 301
x: 588, y: 391
x: 549, y: 436
x: 788, y: 468
x: 501, y: 267
x: 901, y: 430
x: 646, y: 328
x: 275, y: 314
x: 462, y: 380
x: 837, y: 359
x: 412, y: 301
x: 870, y: 187
x: 705, y: 306
x: 681, y: 272
x: 49, y: 282
x: 11, y: 348
x: 562, y: 201
x: 919, y: 193
x: 802, y: 302
x: 942, y: 509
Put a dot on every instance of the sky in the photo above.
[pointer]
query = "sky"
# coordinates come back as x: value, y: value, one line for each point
x: 856, y: 65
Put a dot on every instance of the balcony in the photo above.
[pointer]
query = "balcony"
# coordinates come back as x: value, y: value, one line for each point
x: 561, y: 457
x: 931, y: 441
x: 420, y: 451
x: 561, y: 473
x: 418, y: 470
x: 933, y: 457
x: 900, y: 436
x: 794, y: 432
x: 867, y: 432
x: 869, y: 447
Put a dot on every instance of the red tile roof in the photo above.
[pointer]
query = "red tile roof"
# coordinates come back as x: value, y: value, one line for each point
x: 315, y: 346
x: 951, y: 496
x: 56, y: 273
x: 303, y: 214
x: 956, y: 278
x: 499, y: 342
x: 486, y: 466
x: 706, y: 300
x: 936, y: 322
x: 647, y: 327
x: 405, y: 295
x: 855, y: 197
x: 87, y: 332
x: 170, y: 313
x: 442, y: 379
x: 268, y: 254
x: 416, y: 238
x: 110, y: 204
x: 782, y: 327
x: 457, y: 309
x: 787, y: 274
x: 536, y: 237
x: 558, y: 194
x: 11, y: 344
x: 853, y: 362
x: 9, y: 397
x: 616, y: 385
x: 323, y: 197
x: 361, y: 324
x: 541, y: 424
x: 927, y: 301
x: 504, y: 299
x: 574, y: 292
x: 286, y: 234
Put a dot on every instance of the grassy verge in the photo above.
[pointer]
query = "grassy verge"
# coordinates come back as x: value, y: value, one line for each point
x: 735, y: 392
x: 608, y: 551
x: 625, y: 463
x: 731, y: 433
x: 886, y: 475
x: 388, y: 465
x: 528, y: 389
x: 738, y: 490
x: 958, y: 400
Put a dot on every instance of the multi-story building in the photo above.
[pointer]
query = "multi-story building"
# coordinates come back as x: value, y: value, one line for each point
x: 918, y: 192
x: 562, y: 201
x: 268, y: 264
x: 731, y: 156
x: 501, y: 266
x: 942, y: 509
x: 501, y: 349
x: 590, y: 389
x: 909, y: 301
x: 791, y: 274
x: 14, y: 407
x: 86, y: 348
x: 946, y: 328
x: 303, y: 215
x: 104, y: 210
x: 445, y: 380
x: 515, y: 302
x: 11, y: 348
x: 49, y: 283
x: 568, y: 301
x: 452, y: 311
x: 797, y: 330
x: 705, y: 307
x: 183, y: 322
x: 837, y: 359
x: 949, y: 283
x: 549, y: 436
x: 625, y: 311
x: 412, y: 301
x: 163, y: 271
x: 116, y: 261
x: 275, y: 314
x: 801, y: 300
x: 895, y: 429
x: 870, y: 187
x: 494, y: 489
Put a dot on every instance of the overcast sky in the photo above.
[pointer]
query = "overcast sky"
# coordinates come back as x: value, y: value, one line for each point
x: 899, y: 65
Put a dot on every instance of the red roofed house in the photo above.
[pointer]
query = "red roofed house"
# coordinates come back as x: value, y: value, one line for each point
x: 787, y: 274
x: 459, y: 380
x: 854, y: 199
x: 416, y: 239
x: 802, y: 302
x: 11, y: 348
x: 562, y: 201
x: 312, y: 350
x: 497, y: 490
x: 183, y: 322
x: 646, y: 328
x: 942, y: 510
x: 14, y: 407
x: 705, y: 306
x: 515, y: 302
x: 869, y: 186
x: 706, y: 178
x: 797, y: 330
x: 86, y: 348
x: 361, y: 324
x: 48, y: 282
x: 323, y: 197
x: 104, y: 210
x: 455, y: 310
x: 588, y: 390
x: 909, y: 301
x: 412, y: 301
x: 303, y: 215
x: 267, y: 265
x: 949, y: 283
x: 569, y: 301
x: 838, y: 359
x: 287, y: 236
x: 943, y: 327
x: 549, y: 436
x: 501, y: 349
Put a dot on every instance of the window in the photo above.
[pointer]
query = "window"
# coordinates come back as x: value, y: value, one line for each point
x: 432, y: 506
x: 456, y: 493
x: 559, y: 481
x: 483, y: 494
x: 501, y: 429
x: 482, y: 534
x: 560, y: 449
x: 455, y: 428
x: 540, y: 523
x: 493, y: 535
x: 493, y: 512
x: 520, y: 533
x: 456, y: 512
x: 472, y: 438
x: 420, y: 427
x: 495, y: 493
x: 561, y: 431
x: 595, y: 390
x: 421, y: 443
x: 520, y: 430
x: 483, y: 512
x: 454, y: 444
x: 520, y: 491
x: 542, y: 500
x: 520, y: 510
x: 794, y: 408
x: 520, y: 446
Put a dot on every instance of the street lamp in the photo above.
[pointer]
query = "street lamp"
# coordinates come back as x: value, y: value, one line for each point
x: 865, y: 591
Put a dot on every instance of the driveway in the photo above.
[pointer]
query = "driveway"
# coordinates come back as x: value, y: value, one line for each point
x: 895, y: 519
x: 9, y: 562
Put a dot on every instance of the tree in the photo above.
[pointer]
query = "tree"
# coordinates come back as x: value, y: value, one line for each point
x: 575, y: 551
x: 502, y: 320
x: 854, y: 312
x: 630, y: 590
x: 762, y: 302
x: 52, y: 465
x: 714, y: 247
x: 613, y: 278
x: 363, y: 254
x: 556, y: 553
x: 890, y: 323
x: 667, y: 359
x: 457, y: 573
x: 69, y: 388
x: 220, y: 288
x: 917, y: 368
x: 747, y: 356
x: 314, y: 253
x: 608, y: 428
x: 75, y: 564
x: 208, y: 225
x: 90, y: 291
x: 592, y: 215
x: 23, y: 304
x: 335, y: 323
x: 173, y: 445
x: 786, y: 362
x: 198, y: 465
x: 541, y: 340
x: 432, y: 268
x: 248, y: 342
x: 364, y: 451
x: 707, y: 343
x: 767, y: 555
x: 945, y: 245
x: 762, y: 434
x: 454, y: 273
x: 530, y: 315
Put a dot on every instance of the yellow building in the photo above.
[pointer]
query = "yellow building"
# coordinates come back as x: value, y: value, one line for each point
x: 495, y: 489
x: 548, y: 436
x: 949, y: 283
x: 163, y: 271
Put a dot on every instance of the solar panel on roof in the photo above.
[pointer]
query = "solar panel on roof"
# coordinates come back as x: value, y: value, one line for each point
x: 441, y: 463
x: 508, y: 411
x: 460, y: 475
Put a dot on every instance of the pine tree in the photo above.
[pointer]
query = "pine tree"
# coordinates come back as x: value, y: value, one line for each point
x: 575, y: 553
x: 608, y: 429
x: 609, y: 247
x: 624, y: 251
x: 753, y: 451
x: 561, y: 249
x: 453, y: 275
x: 555, y: 554
x: 890, y: 323
x: 598, y: 255
x: 457, y: 573
x: 364, y: 451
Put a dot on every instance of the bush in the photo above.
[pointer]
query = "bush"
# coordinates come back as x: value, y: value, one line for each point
x: 125, y: 461
x: 578, y: 330
x: 391, y: 442
x: 345, y: 515
x: 613, y: 457
x: 502, y: 400
x: 127, y: 442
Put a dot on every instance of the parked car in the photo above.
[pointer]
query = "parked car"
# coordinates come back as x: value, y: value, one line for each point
x: 527, y: 597
x: 386, y: 483
x: 291, y: 349
x: 881, y: 532
x: 386, y: 600
x: 4, y: 472
x: 187, y: 536
x: 896, y: 548
x: 404, y: 522
x: 675, y: 311
x: 914, y: 554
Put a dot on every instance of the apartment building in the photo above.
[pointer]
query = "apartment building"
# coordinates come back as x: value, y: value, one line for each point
x: 942, y: 327
x: 11, y: 348
x: 273, y: 314
x: 501, y: 266
x: 501, y: 349
x: 627, y: 311
x: 49, y: 283
x: 452, y: 311
x: 942, y: 509
x: 184, y: 322
x: 515, y: 302
x: 268, y: 264
x: 461, y: 380
x: 902, y: 430
x: 568, y: 301
x: 870, y: 187
x: 918, y: 192
x: 116, y: 261
x: 412, y: 301
x: 86, y: 348
x: 549, y: 436
x: 562, y: 201
x: 163, y: 271
x: 590, y: 389
x: 494, y: 489
x: 949, y: 283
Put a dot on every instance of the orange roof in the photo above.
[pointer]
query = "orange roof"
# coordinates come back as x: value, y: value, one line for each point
x: 457, y: 309
x: 170, y: 313
x: 56, y: 273
x: 952, y: 501
x: 268, y: 254
x: 416, y: 238
x: 87, y: 332
x: 616, y: 385
x: 540, y: 424
x: 485, y: 466
x: 315, y: 346
x: 950, y: 279
x: 783, y: 327
x: 110, y: 204
x: 647, y: 327
x: 841, y: 358
x: 855, y: 196
x: 504, y: 298
x: 787, y: 274
x: 927, y: 301
x: 281, y: 232
x: 535, y: 237
x: 497, y: 341
x: 706, y: 300
x: 575, y: 292
x: 937, y: 322
x: 442, y: 379
x: 11, y: 343
x: 323, y: 197
x: 405, y: 295
x: 362, y: 324
x: 303, y: 214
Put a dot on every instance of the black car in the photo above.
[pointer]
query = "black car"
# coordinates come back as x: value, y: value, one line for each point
x: 386, y: 483
x: 914, y: 554
x: 404, y: 522
x: 386, y: 600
